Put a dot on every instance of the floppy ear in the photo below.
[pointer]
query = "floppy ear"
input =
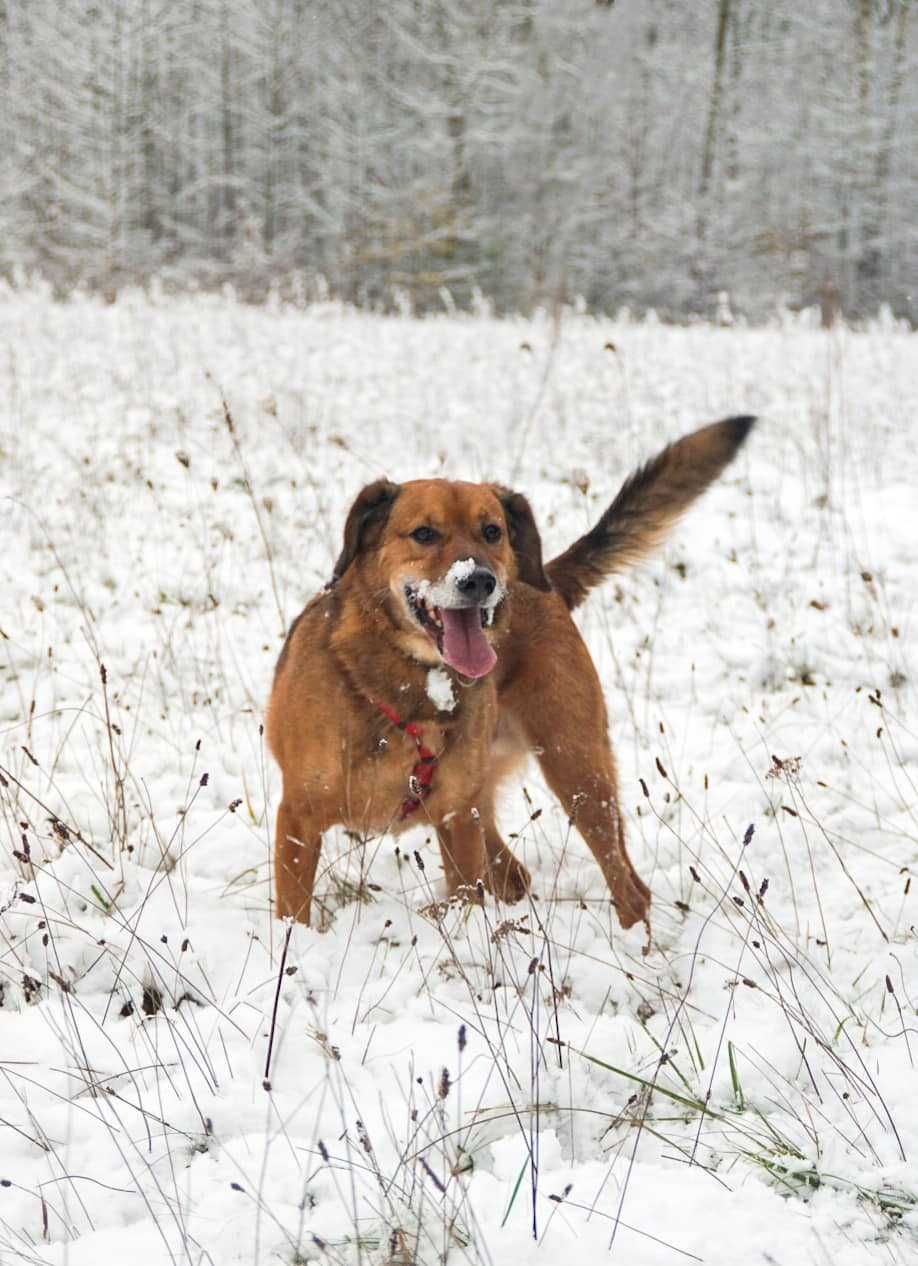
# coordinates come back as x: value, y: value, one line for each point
x: 524, y: 537
x: 365, y: 521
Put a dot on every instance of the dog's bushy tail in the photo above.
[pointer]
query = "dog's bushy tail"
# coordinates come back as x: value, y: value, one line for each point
x: 648, y: 504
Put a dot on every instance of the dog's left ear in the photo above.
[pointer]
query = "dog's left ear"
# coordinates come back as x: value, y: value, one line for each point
x: 365, y: 520
x: 524, y: 537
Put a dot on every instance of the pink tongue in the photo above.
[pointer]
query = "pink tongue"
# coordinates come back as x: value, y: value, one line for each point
x: 465, y: 646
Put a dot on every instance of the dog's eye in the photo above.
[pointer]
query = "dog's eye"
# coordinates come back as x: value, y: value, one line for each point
x: 424, y: 535
x: 491, y: 532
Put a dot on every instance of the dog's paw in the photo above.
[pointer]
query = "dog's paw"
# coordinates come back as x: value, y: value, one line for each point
x: 508, y: 879
x: 632, y: 902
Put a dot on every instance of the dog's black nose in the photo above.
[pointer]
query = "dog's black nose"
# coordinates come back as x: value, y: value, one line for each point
x: 478, y: 585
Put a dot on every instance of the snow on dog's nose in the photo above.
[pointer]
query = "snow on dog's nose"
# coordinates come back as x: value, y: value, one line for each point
x: 467, y: 583
x: 478, y: 585
x: 456, y: 610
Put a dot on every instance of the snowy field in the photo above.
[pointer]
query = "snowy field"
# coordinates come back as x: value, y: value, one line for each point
x: 500, y: 1084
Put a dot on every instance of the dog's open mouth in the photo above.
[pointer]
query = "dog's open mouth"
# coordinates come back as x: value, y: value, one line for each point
x: 457, y: 632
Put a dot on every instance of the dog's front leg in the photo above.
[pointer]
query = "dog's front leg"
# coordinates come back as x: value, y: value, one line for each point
x: 507, y: 877
x: 462, y: 847
x: 297, y: 844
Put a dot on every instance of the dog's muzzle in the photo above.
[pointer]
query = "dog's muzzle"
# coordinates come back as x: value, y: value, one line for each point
x: 454, y: 613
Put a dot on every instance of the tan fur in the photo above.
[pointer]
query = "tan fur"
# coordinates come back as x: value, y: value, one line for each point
x: 356, y: 645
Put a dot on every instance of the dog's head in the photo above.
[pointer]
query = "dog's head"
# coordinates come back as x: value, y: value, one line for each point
x: 441, y: 556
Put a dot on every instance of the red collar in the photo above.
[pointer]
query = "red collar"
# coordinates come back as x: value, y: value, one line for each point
x: 420, y: 779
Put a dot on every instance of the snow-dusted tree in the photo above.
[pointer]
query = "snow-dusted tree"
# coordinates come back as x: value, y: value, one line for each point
x: 655, y: 154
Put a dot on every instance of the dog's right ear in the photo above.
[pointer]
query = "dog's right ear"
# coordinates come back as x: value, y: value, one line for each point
x: 365, y: 521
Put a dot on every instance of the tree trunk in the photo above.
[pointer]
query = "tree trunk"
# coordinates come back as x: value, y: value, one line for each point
x: 710, y: 135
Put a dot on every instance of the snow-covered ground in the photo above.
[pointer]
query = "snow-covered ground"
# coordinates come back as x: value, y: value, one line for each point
x: 504, y: 1084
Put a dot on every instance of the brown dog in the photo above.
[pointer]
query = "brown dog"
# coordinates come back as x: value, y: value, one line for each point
x: 443, y: 653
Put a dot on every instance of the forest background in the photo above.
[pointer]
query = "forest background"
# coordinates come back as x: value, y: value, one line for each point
x: 697, y: 159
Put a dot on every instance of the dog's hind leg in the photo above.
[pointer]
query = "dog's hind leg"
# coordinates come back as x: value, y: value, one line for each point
x: 590, y: 795
x: 297, y: 845
x: 557, y: 701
